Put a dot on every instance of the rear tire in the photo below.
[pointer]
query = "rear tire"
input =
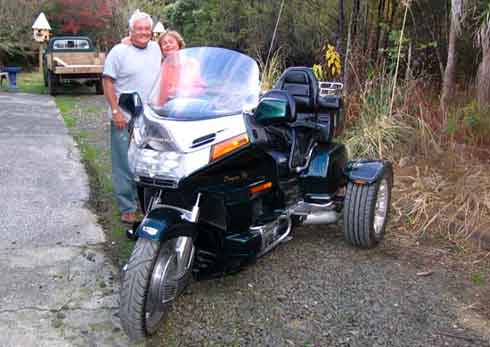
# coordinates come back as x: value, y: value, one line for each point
x: 99, y: 88
x: 366, y: 210
x: 52, y: 83
x: 151, y: 281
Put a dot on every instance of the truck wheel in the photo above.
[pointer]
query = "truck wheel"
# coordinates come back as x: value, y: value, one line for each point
x: 153, y: 278
x: 52, y: 83
x: 366, y: 210
x: 99, y: 89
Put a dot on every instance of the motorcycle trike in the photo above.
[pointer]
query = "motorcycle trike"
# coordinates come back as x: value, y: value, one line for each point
x: 225, y: 173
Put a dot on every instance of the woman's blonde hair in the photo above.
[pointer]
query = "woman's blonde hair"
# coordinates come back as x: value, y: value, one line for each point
x: 175, y: 35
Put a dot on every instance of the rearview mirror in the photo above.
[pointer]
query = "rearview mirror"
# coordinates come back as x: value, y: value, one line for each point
x: 131, y: 103
x: 275, y: 107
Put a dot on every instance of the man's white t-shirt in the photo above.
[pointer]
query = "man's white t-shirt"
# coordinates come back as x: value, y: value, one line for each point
x: 134, y: 69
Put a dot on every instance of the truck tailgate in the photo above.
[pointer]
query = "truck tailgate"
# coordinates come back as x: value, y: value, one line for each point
x: 78, y: 63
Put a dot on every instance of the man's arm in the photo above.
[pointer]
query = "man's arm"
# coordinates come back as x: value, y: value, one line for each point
x: 110, y: 95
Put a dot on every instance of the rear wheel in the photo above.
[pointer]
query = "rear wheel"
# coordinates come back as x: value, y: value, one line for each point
x: 154, y: 276
x: 52, y: 83
x: 366, y: 210
x: 99, y: 89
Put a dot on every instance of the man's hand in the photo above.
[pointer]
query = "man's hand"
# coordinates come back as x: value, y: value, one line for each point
x: 110, y: 94
x: 119, y: 120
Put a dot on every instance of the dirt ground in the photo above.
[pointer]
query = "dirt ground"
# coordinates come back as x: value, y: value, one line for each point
x: 315, y: 290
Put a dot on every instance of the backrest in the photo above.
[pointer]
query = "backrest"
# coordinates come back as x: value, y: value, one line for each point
x: 302, y: 84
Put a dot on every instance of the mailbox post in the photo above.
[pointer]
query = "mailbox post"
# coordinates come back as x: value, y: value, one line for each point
x: 41, y: 31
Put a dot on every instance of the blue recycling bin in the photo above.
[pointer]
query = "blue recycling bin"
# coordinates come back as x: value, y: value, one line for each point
x: 12, y: 72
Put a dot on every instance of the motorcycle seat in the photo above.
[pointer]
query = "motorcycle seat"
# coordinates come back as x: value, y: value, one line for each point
x: 301, y: 83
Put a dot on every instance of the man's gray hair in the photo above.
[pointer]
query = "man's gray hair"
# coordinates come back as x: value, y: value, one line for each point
x: 138, y: 15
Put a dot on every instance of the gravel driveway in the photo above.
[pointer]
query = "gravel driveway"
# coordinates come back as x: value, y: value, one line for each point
x: 315, y: 290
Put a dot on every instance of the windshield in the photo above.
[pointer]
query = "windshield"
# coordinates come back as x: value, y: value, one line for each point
x: 205, y: 82
x: 71, y: 44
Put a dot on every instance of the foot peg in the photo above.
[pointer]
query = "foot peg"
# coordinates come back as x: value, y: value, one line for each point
x: 131, y: 233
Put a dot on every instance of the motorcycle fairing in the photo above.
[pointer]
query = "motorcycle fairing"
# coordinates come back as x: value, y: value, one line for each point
x: 366, y: 171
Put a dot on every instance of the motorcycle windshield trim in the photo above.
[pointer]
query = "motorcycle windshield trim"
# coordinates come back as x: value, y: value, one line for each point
x: 205, y: 82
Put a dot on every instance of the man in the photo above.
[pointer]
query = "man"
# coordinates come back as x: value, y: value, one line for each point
x: 133, y: 67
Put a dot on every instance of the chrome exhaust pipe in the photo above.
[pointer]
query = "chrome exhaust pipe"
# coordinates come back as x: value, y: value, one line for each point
x: 328, y: 217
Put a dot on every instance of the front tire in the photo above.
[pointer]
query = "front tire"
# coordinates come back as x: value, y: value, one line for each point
x: 366, y: 210
x: 152, y: 279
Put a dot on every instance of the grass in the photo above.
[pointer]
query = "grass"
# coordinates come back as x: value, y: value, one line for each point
x: 27, y: 82
x: 270, y: 70
x: 372, y: 132
x: 99, y: 171
x: 470, y: 124
x: 440, y: 193
x: 478, y: 279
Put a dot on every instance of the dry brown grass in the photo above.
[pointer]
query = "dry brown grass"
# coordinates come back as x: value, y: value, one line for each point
x: 373, y: 132
x: 449, y: 196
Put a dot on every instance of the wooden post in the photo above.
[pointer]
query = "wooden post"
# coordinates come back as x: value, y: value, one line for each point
x: 41, y: 50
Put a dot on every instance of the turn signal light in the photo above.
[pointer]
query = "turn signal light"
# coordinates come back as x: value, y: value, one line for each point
x: 261, y: 187
x: 220, y: 149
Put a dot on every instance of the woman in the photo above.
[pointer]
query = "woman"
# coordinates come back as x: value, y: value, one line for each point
x: 179, y: 76
x: 170, y: 42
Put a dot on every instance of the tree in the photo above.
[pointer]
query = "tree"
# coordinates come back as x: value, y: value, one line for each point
x: 81, y: 17
x: 15, y: 31
x: 449, y: 79
x: 483, y: 41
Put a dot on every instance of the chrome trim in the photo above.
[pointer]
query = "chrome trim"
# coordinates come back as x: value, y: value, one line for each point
x: 327, y: 197
x: 267, y: 229
x: 190, y: 216
x: 330, y: 88
x: 381, y: 208
x: 303, y: 208
x: 308, y: 159
x: 327, y: 217
x: 184, y: 248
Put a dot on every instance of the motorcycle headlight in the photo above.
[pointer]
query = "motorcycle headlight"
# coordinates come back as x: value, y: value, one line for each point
x: 151, y: 163
x: 138, y: 132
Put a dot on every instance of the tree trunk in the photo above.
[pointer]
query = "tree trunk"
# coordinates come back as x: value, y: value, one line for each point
x: 379, y: 30
x: 483, y: 79
x: 449, y: 80
x: 340, y: 29
x: 390, y: 23
x: 351, y: 41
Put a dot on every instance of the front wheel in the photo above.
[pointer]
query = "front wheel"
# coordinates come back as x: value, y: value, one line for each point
x: 366, y: 210
x: 153, y: 278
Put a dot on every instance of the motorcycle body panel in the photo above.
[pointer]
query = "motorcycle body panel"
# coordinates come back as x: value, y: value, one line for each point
x: 366, y: 171
x: 160, y: 222
x: 325, y: 173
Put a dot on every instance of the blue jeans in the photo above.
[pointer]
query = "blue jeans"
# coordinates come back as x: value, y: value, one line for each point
x: 122, y: 178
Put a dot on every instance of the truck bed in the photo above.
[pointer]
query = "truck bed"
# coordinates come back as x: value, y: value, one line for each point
x: 76, y: 63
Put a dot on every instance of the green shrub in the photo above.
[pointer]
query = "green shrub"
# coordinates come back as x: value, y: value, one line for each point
x: 375, y: 133
x: 470, y: 123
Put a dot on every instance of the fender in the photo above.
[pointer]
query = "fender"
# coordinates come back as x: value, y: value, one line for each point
x: 366, y: 171
x: 163, y: 223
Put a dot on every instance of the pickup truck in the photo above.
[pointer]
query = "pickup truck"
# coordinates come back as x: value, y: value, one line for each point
x: 72, y: 59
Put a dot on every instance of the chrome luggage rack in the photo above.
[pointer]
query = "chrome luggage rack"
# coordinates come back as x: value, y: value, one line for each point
x: 330, y: 88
